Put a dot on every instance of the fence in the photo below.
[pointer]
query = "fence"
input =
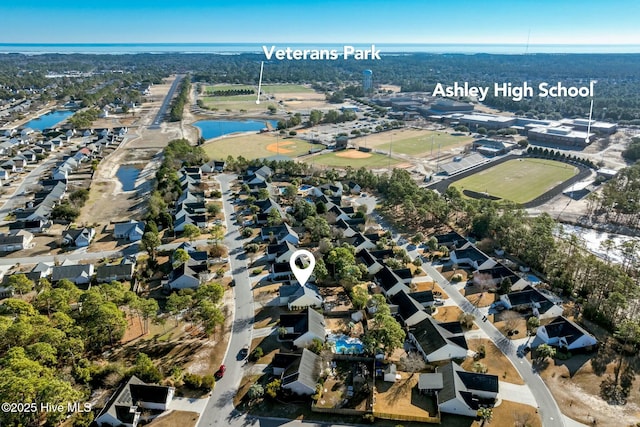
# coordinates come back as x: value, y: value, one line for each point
x: 404, y: 417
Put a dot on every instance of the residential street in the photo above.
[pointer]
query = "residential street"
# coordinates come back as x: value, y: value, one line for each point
x: 549, y: 410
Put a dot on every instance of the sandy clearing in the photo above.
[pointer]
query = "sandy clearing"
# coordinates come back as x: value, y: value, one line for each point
x: 352, y: 154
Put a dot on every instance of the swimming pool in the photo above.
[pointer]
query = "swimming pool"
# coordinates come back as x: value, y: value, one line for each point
x: 346, y: 345
x: 534, y: 280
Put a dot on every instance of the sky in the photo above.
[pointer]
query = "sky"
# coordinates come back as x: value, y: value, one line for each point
x: 325, y: 21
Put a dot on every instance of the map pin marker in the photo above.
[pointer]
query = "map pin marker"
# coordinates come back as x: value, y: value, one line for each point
x: 302, y: 274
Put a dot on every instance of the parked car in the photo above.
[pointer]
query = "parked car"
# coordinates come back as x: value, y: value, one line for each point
x: 220, y: 372
x: 243, y: 353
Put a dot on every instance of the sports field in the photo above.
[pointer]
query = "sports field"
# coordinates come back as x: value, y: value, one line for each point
x: 269, y: 95
x: 413, y: 142
x: 518, y: 180
x: 256, y: 147
x: 353, y: 158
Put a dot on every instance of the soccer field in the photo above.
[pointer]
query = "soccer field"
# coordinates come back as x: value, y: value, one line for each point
x: 519, y: 180
x: 256, y: 147
x: 355, y: 159
x: 413, y: 142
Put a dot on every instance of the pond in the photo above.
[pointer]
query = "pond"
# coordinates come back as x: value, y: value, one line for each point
x: 128, y: 175
x: 215, y: 128
x: 48, y: 120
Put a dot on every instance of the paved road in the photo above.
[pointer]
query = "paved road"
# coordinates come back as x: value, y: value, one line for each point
x: 220, y: 410
x: 547, y: 406
x: 165, y: 103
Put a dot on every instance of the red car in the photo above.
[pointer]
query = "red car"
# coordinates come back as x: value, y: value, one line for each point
x: 220, y: 372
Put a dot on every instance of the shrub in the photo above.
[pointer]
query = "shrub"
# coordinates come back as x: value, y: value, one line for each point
x: 208, y: 382
x: 293, y: 133
x: 456, y: 277
x: 272, y: 388
x: 256, y: 271
x: 257, y: 353
x: 192, y: 380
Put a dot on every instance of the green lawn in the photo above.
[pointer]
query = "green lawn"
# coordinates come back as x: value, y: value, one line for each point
x: 331, y: 159
x: 520, y: 180
x: 422, y: 144
x: 256, y: 146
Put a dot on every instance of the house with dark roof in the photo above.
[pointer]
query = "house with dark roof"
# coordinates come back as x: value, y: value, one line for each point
x: 280, y: 252
x: 79, y: 274
x: 302, y: 375
x: 302, y: 328
x: 463, y: 393
x: 281, y: 361
x: 118, y: 272
x: 15, y: 240
x: 190, y: 274
x: 360, y: 242
x: 79, y: 237
x: 297, y: 297
x: 563, y: 333
x: 451, y: 240
x: 389, y: 282
x: 493, y: 276
x: 472, y: 256
x: 34, y: 226
x: 408, y: 309
x: 280, y: 233
x: 365, y: 257
x: 125, y: 406
x: 529, y: 297
x: 213, y: 166
x: 435, y: 343
x: 424, y: 298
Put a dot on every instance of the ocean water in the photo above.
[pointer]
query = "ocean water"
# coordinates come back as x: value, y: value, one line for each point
x: 238, y: 48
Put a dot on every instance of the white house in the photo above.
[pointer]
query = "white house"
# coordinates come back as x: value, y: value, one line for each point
x: 529, y: 297
x: 126, y: 404
x: 299, y: 297
x: 130, y: 230
x: 565, y: 334
x: 80, y: 237
x: 473, y: 257
x: 408, y: 309
x: 79, y: 274
x: 302, y: 328
x: 463, y: 392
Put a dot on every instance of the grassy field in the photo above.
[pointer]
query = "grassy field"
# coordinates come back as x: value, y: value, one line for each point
x: 248, y: 102
x: 335, y: 160
x: 256, y: 146
x: 414, y: 142
x: 519, y: 180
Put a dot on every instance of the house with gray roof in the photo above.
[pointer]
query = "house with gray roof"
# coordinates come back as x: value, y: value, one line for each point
x: 472, y: 256
x: 119, y: 272
x: 302, y: 375
x: 79, y: 274
x: 297, y: 297
x: 131, y: 230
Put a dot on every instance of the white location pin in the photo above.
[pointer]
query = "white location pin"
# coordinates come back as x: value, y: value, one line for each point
x: 302, y: 274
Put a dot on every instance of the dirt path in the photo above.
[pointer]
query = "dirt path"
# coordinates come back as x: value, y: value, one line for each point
x: 140, y: 148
